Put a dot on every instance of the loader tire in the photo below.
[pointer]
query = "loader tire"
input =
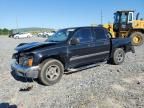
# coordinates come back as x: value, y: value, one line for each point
x: 137, y: 38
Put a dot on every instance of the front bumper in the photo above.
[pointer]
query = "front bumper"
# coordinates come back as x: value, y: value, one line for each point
x: 24, y: 71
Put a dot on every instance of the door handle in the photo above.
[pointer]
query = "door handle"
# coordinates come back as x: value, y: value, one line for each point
x: 91, y: 45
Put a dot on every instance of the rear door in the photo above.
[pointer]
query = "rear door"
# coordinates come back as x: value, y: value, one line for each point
x: 102, y: 43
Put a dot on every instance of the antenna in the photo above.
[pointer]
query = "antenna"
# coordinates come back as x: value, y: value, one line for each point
x: 17, y: 24
x: 101, y: 17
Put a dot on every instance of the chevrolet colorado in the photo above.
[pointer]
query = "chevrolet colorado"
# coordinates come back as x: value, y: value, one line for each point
x: 68, y: 50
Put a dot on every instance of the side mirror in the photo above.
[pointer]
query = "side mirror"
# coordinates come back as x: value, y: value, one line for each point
x: 74, y: 41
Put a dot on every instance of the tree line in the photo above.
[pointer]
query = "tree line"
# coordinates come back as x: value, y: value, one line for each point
x: 5, y: 31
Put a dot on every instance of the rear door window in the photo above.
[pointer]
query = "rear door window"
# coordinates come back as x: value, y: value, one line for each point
x: 99, y: 34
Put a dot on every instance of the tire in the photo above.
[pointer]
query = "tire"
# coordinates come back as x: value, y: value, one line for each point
x: 16, y: 37
x: 137, y: 38
x: 118, y: 56
x: 28, y: 36
x: 51, y: 72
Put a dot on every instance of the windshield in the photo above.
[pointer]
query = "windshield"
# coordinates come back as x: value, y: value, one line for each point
x: 116, y: 17
x: 60, y: 36
x: 123, y: 18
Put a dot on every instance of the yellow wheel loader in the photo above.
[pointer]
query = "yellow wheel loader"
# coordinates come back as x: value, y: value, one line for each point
x: 126, y: 26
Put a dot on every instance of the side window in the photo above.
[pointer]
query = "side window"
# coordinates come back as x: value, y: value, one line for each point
x: 84, y: 35
x: 130, y: 16
x: 99, y: 34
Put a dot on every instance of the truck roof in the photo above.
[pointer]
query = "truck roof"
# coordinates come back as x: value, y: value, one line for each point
x: 125, y: 11
x: 85, y: 27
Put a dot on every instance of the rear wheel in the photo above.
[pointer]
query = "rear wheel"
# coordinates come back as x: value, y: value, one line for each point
x: 137, y: 38
x: 118, y: 56
x: 51, y: 72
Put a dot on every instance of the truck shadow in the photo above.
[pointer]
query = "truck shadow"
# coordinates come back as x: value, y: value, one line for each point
x: 6, y: 105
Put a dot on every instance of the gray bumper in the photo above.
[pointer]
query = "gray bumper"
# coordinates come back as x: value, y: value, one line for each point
x: 24, y: 71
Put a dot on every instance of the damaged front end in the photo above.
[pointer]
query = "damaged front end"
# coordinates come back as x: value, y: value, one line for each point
x: 22, y: 64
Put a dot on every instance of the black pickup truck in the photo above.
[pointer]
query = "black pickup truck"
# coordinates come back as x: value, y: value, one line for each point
x: 68, y: 50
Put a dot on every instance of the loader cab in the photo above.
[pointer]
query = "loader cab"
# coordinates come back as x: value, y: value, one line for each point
x: 123, y: 20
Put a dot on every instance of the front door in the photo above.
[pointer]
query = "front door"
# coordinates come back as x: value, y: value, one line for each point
x: 81, y: 53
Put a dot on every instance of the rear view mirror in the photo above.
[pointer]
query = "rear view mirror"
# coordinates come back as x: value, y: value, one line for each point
x: 74, y: 41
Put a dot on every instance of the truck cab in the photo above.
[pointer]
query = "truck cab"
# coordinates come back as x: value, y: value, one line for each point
x: 123, y: 20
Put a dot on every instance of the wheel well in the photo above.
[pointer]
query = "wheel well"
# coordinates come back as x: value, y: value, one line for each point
x: 54, y: 57
x: 125, y: 48
x: 122, y: 47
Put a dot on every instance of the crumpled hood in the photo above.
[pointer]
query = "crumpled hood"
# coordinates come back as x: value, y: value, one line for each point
x: 33, y: 45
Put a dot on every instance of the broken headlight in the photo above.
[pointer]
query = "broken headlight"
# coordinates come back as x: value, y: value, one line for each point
x: 26, y: 61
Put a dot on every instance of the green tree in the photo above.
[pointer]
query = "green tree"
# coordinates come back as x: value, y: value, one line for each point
x: 5, y: 31
x: 0, y: 31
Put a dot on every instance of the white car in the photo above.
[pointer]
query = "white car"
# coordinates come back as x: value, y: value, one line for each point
x: 22, y: 35
x: 48, y: 33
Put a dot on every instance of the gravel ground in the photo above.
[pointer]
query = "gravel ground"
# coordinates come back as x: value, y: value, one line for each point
x: 105, y: 86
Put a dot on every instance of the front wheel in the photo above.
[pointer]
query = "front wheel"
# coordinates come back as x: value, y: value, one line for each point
x: 51, y: 72
x: 118, y: 56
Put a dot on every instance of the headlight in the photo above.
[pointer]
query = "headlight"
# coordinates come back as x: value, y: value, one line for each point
x: 26, y: 61
x: 30, y: 61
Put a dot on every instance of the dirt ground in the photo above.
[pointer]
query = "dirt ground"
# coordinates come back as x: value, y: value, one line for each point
x: 105, y: 86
